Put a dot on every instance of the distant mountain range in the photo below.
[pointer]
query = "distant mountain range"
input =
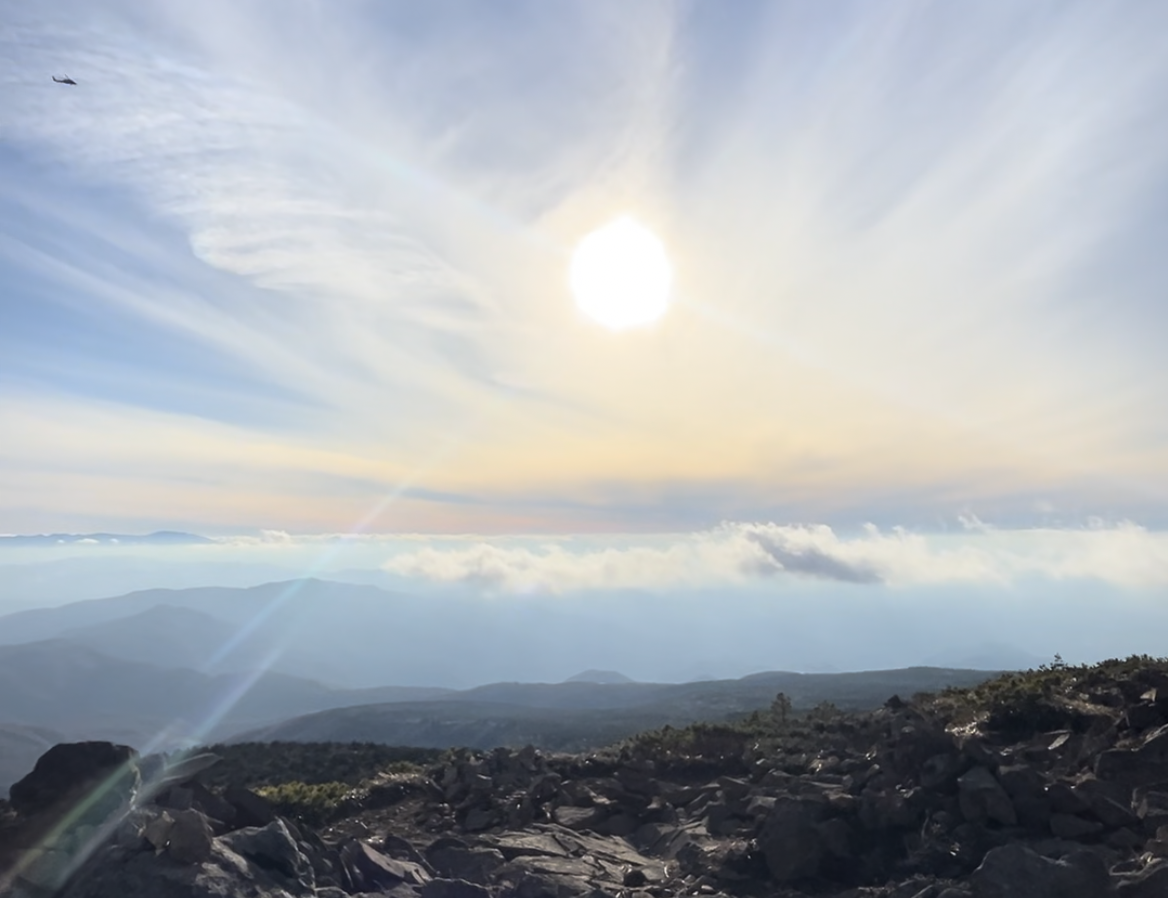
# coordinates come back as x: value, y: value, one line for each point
x: 160, y: 538
x: 309, y: 659
x: 599, y: 676
x: 579, y: 716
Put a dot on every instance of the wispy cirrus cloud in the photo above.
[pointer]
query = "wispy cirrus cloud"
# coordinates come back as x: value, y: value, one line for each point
x: 899, y: 232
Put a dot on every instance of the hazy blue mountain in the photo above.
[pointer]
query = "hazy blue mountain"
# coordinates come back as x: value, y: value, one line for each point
x: 465, y: 724
x: 348, y: 635
x: 599, y: 676
x: 577, y: 716
x: 97, y: 574
x: 162, y: 635
x: 360, y: 636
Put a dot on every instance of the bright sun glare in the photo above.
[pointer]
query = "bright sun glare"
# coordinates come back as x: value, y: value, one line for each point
x: 621, y: 276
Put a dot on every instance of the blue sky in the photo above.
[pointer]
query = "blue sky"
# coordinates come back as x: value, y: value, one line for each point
x: 301, y: 267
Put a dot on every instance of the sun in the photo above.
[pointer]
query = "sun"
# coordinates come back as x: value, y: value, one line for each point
x: 620, y: 275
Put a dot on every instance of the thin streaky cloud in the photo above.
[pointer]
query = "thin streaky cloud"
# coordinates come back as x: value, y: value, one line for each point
x: 914, y: 247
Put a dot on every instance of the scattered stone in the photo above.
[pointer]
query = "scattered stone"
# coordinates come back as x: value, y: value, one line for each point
x: 885, y: 805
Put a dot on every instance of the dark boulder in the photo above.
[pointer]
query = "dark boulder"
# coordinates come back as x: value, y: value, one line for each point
x: 100, y: 776
x: 1015, y: 871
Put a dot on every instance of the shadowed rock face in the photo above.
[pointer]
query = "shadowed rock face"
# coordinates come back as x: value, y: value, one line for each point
x: 899, y: 803
x: 98, y: 774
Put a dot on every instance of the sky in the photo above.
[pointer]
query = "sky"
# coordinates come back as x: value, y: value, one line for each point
x: 302, y: 269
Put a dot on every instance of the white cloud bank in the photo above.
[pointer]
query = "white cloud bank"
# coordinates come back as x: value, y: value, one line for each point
x: 1124, y: 554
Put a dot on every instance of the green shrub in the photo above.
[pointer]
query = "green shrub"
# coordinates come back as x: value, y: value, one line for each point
x: 258, y: 764
x: 315, y: 804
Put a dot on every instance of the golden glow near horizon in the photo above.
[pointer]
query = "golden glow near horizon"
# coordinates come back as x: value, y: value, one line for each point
x: 620, y: 275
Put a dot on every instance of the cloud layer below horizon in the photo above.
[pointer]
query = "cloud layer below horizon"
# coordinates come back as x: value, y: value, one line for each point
x: 735, y: 555
x: 740, y: 554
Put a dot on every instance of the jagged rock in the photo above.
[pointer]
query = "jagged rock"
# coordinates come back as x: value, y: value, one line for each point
x: 940, y: 771
x: 618, y: 825
x: 885, y: 809
x: 111, y: 874
x: 721, y: 820
x: 536, y: 885
x: 215, y: 808
x: 790, y: 839
x: 274, y: 849
x: 454, y: 860
x: 1014, y: 871
x: 178, y: 798
x: 513, y: 845
x: 1068, y: 826
x: 579, y: 817
x: 1150, y: 882
x: 1144, y: 715
x: 1065, y: 800
x: 1021, y: 781
x: 974, y: 747
x: 479, y: 819
x: 1151, y: 804
x: 1124, y: 840
x: 453, y: 888
x: 1107, y: 803
x: 395, y: 846
x: 370, y: 870
x: 982, y: 798
x: 916, y: 743
x: 1146, y: 762
x: 157, y: 830
x: 189, y: 837
x: 250, y: 809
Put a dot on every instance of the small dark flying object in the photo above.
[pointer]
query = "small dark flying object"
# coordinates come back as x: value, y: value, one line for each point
x: 65, y: 80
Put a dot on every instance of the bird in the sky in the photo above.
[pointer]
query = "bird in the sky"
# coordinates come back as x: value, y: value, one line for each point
x: 65, y: 80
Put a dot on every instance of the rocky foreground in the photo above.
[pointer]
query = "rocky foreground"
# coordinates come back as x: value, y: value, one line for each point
x: 1048, y: 786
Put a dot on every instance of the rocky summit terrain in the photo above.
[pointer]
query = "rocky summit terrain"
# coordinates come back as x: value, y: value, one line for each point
x: 1049, y: 784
